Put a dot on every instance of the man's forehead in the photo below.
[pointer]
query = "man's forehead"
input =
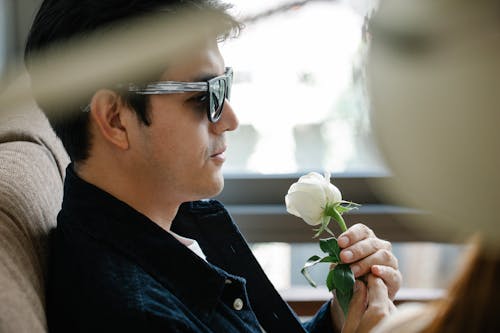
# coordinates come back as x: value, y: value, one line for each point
x: 203, y: 63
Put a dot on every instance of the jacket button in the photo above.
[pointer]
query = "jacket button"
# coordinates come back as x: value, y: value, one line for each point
x: 238, y: 304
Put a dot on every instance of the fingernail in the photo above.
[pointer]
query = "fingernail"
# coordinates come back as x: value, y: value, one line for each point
x: 355, y: 269
x: 347, y: 255
x: 343, y: 241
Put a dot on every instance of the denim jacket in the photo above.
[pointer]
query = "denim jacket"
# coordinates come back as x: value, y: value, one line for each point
x: 114, y: 270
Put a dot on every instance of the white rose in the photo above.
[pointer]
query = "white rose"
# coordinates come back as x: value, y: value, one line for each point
x: 308, y: 197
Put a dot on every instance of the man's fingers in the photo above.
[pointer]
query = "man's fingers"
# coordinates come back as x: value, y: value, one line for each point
x: 377, y: 291
x: 357, y: 307
x: 354, y: 234
x: 381, y: 257
x: 369, y: 305
x: 379, y: 305
x: 392, y: 278
x: 363, y: 249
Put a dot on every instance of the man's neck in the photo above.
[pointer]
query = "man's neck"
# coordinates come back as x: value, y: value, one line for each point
x: 131, y: 191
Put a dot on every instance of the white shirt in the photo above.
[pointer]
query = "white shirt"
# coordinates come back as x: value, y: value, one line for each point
x: 191, y: 244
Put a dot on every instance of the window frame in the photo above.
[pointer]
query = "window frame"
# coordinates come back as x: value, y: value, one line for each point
x: 256, y: 203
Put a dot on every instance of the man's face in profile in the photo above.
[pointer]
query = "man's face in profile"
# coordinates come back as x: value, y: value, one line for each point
x: 182, y: 151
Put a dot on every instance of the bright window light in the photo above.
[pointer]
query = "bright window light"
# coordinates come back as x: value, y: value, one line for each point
x: 298, y: 92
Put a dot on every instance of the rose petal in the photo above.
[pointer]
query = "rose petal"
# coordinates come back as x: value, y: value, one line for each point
x: 326, y: 175
x: 314, y: 189
x: 303, y: 205
x: 333, y: 194
x: 312, y: 178
x: 290, y: 206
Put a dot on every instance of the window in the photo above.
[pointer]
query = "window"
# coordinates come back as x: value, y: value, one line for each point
x: 4, y: 34
x: 298, y: 92
x: 15, y: 21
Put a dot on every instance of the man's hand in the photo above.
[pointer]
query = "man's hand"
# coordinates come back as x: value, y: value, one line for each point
x: 368, y: 254
x: 369, y: 305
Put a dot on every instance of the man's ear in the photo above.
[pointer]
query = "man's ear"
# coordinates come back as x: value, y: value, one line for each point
x: 108, y: 112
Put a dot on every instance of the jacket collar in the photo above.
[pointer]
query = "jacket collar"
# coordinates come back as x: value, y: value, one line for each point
x: 112, y: 221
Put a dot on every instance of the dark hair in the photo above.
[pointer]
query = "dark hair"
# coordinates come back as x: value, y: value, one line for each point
x: 59, y: 21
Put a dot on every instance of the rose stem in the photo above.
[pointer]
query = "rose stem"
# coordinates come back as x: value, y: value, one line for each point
x: 339, y: 219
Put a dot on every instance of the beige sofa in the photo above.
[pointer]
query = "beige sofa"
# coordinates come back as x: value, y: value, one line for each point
x: 32, y: 164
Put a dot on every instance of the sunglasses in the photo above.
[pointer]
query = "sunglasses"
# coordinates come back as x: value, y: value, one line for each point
x: 217, y: 88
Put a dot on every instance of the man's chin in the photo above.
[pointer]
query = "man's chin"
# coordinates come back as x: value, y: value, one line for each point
x: 214, y: 188
x: 218, y: 185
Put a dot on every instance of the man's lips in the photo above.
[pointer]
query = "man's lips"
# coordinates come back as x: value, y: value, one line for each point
x: 219, y: 152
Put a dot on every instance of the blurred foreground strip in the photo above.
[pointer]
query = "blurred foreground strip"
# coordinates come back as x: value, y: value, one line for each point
x: 72, y: 70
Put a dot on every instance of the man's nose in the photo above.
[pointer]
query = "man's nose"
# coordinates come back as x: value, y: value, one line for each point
x: 228, y: 120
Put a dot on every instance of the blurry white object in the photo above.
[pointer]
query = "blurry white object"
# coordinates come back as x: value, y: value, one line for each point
x: 434, y: 72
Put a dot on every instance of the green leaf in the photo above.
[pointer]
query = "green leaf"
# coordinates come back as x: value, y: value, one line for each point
x: 341, y: 279
x: 309, y: 263
x: 308, y: 277
x: 323, y: 227
x: 350, y: 204
x: 346, y: 206
x: 319, y: 231
x: 342, y: 209
x: 330, y: 246
x: 329, y: 231
x: 329, y: 280
x: 344, y: 300
x: 330, y: 259
x: 313, y: 261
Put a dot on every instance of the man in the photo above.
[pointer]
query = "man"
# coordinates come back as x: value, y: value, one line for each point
x: 135, y: 249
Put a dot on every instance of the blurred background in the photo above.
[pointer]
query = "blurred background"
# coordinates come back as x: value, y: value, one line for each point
x: 299, y: 94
